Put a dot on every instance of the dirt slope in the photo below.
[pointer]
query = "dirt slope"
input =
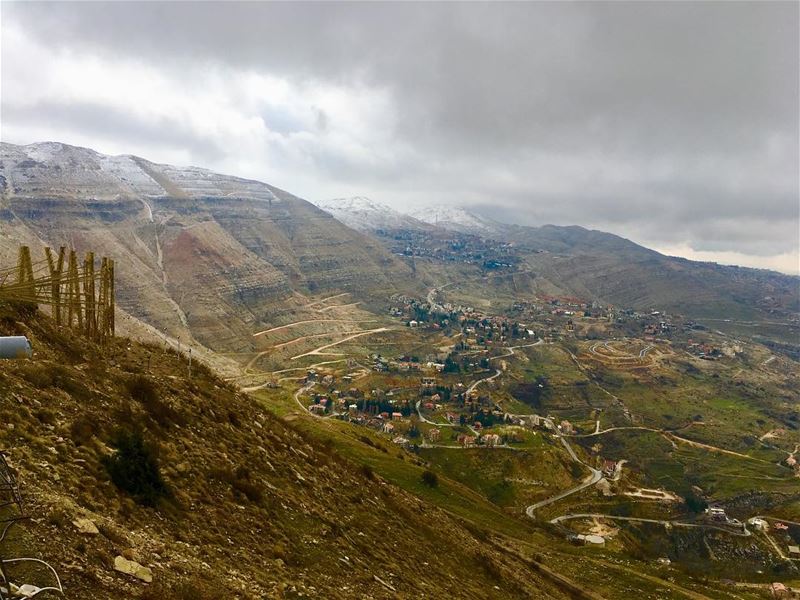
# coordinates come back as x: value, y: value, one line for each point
x: 252, y: 509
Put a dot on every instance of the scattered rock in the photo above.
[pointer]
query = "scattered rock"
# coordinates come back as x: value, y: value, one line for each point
x: 130, y: 567
x: 388, y: 586
x: 87, y: 526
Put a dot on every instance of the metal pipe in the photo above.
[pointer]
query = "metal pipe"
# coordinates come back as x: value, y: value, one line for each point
x: 16, y: 346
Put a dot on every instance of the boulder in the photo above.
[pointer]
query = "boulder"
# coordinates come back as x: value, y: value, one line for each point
x: 84, y: 525
x: 131, y: 567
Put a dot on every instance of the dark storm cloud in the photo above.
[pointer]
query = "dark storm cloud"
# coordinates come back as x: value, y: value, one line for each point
x: 615, y: 114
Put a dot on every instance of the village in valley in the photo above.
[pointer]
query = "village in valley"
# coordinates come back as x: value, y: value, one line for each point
x: 613, y: 428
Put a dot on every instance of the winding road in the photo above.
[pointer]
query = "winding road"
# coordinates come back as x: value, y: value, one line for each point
x: 595, y: 476
x: 744, y: 533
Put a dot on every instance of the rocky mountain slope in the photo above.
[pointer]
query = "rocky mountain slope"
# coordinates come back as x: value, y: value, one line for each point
x: 239, y: 504
x: 595, y: 265
x: 198, y: 253
x: 598, y: 265
x: 214, y: 258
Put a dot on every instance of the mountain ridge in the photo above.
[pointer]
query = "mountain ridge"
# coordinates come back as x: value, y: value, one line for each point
x: 213, y: 258
x: 198, y: 254
x: 597, y: 265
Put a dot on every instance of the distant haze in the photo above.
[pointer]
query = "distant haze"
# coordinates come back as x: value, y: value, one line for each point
x: 674, y: 124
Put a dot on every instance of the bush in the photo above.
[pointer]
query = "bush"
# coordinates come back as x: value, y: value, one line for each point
x: 430, y: 479
x: 367, y: 472
x: 142, y: 389
x: 134, y: 469
x: 240, y: 482
x: 695, y: 503
x: 193, y: 589
x: 145, y: 391
x: 82, y: 430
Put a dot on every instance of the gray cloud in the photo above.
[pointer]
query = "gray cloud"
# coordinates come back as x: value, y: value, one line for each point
x: 667, y: 122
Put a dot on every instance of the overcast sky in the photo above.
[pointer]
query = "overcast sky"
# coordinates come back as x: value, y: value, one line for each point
x: 674, y: 124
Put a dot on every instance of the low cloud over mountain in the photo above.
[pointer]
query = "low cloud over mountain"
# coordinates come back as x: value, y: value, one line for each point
x: 673, y: 124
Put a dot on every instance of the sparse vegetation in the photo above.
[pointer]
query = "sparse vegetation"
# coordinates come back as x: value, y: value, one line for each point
x: 134, y: 468
x: 430, y: 478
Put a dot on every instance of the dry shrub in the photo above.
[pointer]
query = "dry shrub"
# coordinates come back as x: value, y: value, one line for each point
x: 194, y: 589
x: 241, y: 483
x: 145, y: 391
x: 82, y: 429
x: 142, y: 389
x: 430, y: 478
x: 134, y: 468
x: 46, y: 416
x: 367, y: 471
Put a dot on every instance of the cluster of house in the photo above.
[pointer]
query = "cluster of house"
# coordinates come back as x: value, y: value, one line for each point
x: 718, y: 515
x: 703, y: 350
x: 421, y: 313
x: 456, y: 247
x: 355, y: 405
x: 489, y: 440
x: 651, y: 330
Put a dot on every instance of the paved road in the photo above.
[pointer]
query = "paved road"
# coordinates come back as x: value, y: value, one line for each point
x: 594, y: 476
x: 301, y: 391
x: 744, y: 533
x: 429, y: 422
x: 512, y: 348
x: 590, y: 480
x: 474, y: 385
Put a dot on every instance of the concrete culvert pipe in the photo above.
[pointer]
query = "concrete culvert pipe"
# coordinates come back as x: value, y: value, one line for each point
x: 16, y: 346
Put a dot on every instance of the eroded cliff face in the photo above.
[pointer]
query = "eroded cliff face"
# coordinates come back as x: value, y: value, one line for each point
x: 198, y: 254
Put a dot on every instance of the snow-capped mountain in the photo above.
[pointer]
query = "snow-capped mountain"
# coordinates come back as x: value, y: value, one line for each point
x: 226, y: 246
x: 366, y: 215
x: 62, y: 171
x: 457, y: 219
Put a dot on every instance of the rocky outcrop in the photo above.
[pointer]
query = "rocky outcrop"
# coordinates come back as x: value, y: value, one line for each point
x: 131, y: 567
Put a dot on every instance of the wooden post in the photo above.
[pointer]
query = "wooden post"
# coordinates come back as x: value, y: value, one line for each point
x: 112, y: 304
x: 73, y: 292
x: 105, y: 308
x: 56, y: 270
x: 102, y: 301
x: 90, y: 318
x: 25, y: 274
